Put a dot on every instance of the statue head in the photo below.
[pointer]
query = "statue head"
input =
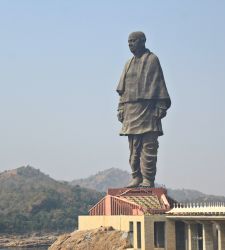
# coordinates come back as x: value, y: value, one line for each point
x: 136, y: 42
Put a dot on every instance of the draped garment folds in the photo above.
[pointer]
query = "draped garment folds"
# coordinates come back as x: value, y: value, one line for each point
x: 142, y: 89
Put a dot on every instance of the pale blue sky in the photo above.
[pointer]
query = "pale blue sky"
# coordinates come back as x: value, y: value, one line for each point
x: 60, y: 63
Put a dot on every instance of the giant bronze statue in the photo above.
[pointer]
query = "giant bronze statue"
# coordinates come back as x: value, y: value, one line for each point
x: 144, y: 101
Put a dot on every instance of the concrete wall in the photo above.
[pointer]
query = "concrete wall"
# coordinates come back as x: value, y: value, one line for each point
x: 170, y: 240
x: 121, y: 222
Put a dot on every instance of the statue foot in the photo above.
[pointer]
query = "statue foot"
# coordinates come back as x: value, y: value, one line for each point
x: 147, y: 184
x: 135, y: 182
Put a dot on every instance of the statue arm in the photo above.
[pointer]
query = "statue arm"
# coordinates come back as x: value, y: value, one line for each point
x: 120, y: 111
x: 160, y: 109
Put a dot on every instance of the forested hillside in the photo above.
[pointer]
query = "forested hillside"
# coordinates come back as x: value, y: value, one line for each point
x: 101, y: 181
x: 32, y: 201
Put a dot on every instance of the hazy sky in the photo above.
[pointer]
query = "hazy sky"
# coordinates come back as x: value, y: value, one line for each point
x: 60, y: 63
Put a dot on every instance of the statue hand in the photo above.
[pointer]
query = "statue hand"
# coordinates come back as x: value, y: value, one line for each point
x: 159, y: 113
x: 162, y: 113
x: 120, y: 115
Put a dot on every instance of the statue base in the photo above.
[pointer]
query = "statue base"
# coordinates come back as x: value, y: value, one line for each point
x: 133, y: 201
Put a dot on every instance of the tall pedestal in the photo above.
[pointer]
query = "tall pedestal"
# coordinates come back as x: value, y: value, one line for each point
x: 207, y: 233
x: 191, y: 236
x: 221, y: 236
x: 170, y: 235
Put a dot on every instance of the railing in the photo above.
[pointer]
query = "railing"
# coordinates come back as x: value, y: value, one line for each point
x: 198, y: 204
x: 202, y: 208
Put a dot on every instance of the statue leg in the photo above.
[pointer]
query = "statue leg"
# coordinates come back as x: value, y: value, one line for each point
x: 135, y: 145
x: 148, y: 158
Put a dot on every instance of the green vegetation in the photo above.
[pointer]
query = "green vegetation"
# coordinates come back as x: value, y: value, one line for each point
x: 109, y: 178
x: 32, y: 201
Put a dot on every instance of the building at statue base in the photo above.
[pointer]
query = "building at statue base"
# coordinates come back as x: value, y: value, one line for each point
x: 155, y: 222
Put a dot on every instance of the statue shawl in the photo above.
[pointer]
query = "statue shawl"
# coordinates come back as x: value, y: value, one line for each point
x: 150, y: 80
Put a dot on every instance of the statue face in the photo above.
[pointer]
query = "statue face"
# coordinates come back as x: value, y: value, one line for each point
x: 135, y: 43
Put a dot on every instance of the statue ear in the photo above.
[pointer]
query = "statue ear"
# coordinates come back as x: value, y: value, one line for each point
x: 142, y: 40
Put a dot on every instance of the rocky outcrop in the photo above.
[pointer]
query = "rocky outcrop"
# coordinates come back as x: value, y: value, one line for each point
x: 97, y: 239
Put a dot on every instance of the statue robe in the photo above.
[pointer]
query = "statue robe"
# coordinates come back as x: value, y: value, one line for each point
x: 142, y: 90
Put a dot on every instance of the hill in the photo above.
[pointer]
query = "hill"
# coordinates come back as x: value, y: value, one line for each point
x: 115, y: 177
x: 32, y: 201
x: 110, y: 178
x: 189, y: 195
